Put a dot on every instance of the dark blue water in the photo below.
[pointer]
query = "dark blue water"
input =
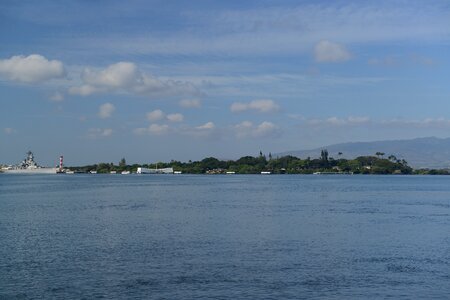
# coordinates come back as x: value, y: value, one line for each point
x: 224, y: 237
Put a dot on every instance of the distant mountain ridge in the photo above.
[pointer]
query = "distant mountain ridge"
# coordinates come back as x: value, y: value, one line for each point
x: 428, y: 152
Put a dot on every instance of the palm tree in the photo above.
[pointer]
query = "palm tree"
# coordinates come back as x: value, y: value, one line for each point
x: 378, y: 154
x: 392, y: 158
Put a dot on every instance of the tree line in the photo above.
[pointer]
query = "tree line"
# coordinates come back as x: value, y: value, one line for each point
x: 288, y: 164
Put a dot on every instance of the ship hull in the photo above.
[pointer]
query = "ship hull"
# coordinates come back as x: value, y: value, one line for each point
x: 32, y: 171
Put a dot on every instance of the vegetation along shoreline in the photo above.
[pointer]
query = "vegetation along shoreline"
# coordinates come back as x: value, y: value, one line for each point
x: 371, y: 165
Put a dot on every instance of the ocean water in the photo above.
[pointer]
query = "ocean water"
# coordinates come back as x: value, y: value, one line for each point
x: 224, y: 237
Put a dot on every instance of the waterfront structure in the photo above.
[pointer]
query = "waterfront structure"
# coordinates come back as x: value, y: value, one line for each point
x: 29, y: 166
x: 142, y: 170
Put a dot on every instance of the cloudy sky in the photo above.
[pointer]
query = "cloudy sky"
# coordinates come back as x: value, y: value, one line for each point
x: 161, y: 80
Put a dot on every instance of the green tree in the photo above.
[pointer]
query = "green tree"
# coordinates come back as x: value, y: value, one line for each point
x: 324, y: 158
x: 392, y: 158
x: 378, y: 154
x: 122, y: 162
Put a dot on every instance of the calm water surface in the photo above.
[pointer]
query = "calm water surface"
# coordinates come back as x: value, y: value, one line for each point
x: 224, y: 237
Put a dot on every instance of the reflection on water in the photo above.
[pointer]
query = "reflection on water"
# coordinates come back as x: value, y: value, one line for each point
x: 224, y: 237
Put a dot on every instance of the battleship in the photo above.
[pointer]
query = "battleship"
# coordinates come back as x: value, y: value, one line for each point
x: 29, y: 166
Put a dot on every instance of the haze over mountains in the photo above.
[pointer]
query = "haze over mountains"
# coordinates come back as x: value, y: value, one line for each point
x: 428, y: 152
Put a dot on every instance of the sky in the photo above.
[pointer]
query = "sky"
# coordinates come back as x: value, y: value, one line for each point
x: 151, y: 81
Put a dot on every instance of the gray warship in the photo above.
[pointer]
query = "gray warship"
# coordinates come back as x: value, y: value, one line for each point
x: 29, y: 166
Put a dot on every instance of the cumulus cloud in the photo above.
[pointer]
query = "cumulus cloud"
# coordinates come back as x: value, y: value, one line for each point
x: 247, y: 129
x: 175, y: 117
x: 157, y: 129
x: 158, y: 115
x: 9, y: 130
x: 423, y: 123
x: 190, y: 103
x: 95, y: 133
x: 206, y: 126
x: 31, y: 69
x: 290, y: 30
x: 118, y: 75
x: 153, y: 129
x: 106, y: 110
x: 57, y: 97
x: 140, y: 131
x: 335, y: 121
x: 263, y: 106
x: 205, y: 131
x: 243, y: 129
x: 126, y: 77
x: 326, y: 51
x: 155, y: 115
x: 85, y: 90
x: 428, y: 125
x: 265, y: 129
x: 366, y: 121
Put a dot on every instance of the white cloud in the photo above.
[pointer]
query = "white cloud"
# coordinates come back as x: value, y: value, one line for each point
x: 358, y: 119
x: 106, y: 110
x: 246, y: 129
x: 238, y: 107
x: 140, y: 131
x: 119, y: 75
x: 85, y: 90
x: 288, y: 29
x: 175, y: 117
x: 335, y: 121
x: 243, y: 129
x: 126, y: 77
x: 157, y: 129
x: 107, y: 132
x: 158, y: 115
x: 95, y: 133
x: 31, y: 69
x: 424, y: 123
x: 155, y: 115
x: 9, y: 130
x: 204, y: 131
x: 190, y: 103
x: 353, y: 121
x: 264, y: 106
x: 57, y: 97
x: 326, y: 51
x: 153, y: 129
x: 265, y: 129
x: 206, y: 126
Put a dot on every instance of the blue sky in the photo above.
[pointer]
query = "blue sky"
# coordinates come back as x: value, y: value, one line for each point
x: 161, y: 80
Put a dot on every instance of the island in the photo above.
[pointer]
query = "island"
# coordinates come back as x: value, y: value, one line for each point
x: 268, y: 164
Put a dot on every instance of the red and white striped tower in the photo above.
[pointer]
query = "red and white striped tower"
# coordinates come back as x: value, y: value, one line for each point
x: 60, y: 163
